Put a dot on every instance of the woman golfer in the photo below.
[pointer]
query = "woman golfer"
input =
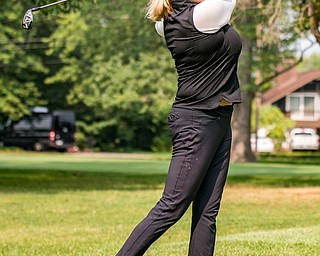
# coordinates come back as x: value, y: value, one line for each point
x: 205, y: 49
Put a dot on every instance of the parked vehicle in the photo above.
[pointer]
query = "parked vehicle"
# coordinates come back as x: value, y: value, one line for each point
x: 304, y: 139
x: 41, y: 130
x: 265, y: 144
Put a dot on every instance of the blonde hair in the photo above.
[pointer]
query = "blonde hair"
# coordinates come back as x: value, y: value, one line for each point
x: 158, y: 9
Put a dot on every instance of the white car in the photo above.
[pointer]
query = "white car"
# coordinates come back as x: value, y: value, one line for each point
x: 304, y: 139
x: 265, y: 144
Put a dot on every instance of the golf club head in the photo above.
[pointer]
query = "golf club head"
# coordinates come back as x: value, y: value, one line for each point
x: 27, y: 20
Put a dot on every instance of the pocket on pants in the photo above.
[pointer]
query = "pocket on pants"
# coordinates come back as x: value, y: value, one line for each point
x: 183, y: 175
x: 172, y: 119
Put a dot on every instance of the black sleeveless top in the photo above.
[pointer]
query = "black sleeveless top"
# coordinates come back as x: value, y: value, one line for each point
x: 206, y: 63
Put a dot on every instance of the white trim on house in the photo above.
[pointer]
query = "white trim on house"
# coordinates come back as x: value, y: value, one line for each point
x: 299, y: 113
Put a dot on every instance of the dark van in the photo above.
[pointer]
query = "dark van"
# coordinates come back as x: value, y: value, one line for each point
x: 41, y: 130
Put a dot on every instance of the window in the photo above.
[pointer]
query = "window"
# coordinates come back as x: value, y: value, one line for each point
x: 42, y: 121
x: 295, y: 105
x: 22, y: 124
x: 309, y: 107
x: 303, y: 106
x: 38, y: 121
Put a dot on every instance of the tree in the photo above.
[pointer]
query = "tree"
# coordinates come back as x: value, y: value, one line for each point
x: 106, y: 55
x: 96, y: 69
x: 23, y: 63
x: 18, y: 68
x: 308, y: 16
x: 123, y: 78
x: 266, y: 35
x: 312, y: 62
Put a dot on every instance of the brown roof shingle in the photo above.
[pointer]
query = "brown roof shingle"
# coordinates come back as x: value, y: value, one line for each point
x: 289, y: 85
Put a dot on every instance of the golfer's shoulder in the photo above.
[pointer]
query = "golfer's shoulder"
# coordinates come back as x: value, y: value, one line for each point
x: 211, y: 15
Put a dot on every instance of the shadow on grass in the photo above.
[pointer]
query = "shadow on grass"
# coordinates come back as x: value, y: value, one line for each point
x: 36, y: 181
x: 55, y: 181
x: 274, y: 181
x: 296, y: 157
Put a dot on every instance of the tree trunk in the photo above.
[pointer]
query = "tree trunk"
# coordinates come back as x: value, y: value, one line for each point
x: 241, y: 147
x: 313, y: 14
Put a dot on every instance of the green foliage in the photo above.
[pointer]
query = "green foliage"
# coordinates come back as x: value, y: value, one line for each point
x: 16, y: 97
x: 302, y: 14
x: 276, y: 124
x: 23, y: 64
x: 310, y: 63
x: 132, y: 104
x: 267, y: 34
x: 120, y: 72
x: 18, y: 66
x: 104, y: 60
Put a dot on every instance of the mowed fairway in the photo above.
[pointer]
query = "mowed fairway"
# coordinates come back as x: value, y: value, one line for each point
x: 72, y: 204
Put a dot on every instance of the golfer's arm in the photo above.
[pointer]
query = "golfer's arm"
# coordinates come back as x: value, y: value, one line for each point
x: 211, y: 15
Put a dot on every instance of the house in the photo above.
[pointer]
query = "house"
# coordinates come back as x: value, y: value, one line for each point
x: 298, y: 96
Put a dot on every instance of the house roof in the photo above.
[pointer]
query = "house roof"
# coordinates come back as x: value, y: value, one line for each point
x: 289, y: 83
x: 308, y: 124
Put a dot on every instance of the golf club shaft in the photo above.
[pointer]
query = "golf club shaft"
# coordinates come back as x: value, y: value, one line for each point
x: 47, y: 5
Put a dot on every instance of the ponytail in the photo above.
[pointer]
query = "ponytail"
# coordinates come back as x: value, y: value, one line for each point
x: 158, y: 9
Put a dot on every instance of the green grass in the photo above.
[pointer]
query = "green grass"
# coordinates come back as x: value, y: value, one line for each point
x: 296, y: 157
x: 64, y: 204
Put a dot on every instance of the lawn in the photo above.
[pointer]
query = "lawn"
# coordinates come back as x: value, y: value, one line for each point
x: 69, y: 204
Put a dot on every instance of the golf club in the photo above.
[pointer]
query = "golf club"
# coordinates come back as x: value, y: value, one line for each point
x: 28, y: 17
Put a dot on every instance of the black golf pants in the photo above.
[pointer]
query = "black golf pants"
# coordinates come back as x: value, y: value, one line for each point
x: 197, y: 174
